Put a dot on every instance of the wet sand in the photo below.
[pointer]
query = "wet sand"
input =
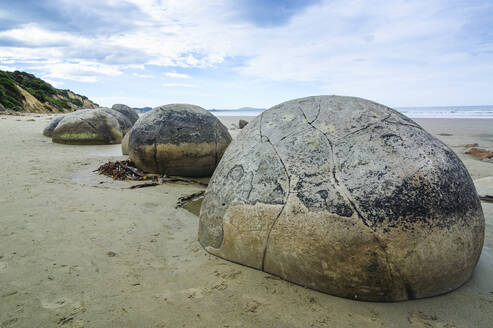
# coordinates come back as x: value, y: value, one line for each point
x: 80, y: 250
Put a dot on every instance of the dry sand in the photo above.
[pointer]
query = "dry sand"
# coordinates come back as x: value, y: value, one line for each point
x: 77, y: 250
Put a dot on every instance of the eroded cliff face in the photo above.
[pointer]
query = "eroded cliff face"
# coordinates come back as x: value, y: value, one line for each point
x: 23, y: 92
x: 31, y: 104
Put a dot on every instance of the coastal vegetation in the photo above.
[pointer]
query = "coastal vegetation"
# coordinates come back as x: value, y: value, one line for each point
x: 21, y: 91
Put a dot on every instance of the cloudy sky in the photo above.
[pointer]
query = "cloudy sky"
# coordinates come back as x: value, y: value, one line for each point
x: 235, y: 53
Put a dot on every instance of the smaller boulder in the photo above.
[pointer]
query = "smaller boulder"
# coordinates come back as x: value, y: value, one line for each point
x: 242, y: 124
x: 95, y: 127
x: 124, y: 121
x: 129, y: 112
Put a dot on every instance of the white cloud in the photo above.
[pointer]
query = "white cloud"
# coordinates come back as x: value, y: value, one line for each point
x: 56, y: 84
x: 397, y: 52
x: 80, y: 71
x: 143, y: 76
x: 7, y: 68
x: 177, y: 75
x: 33, y: 35
x: 182, y: 85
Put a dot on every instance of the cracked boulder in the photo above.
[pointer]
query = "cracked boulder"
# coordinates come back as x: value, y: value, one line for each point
x: 178, y: 139
x: 129, y: 112
x: 93, y: 127
x: 347, y: 197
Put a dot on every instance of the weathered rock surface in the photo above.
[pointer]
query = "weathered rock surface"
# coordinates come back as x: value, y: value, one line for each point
x: 347, y: 197
x: 125, y: 143
x: 94, y: 127
x: 242, y: 124
x: 48, y: 131
x: 123, y: 121
x: 178, y: 139
x: 129, y: 112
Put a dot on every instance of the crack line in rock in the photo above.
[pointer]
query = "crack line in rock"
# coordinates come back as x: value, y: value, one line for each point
x: 90, y: 124
x: 283, y: 206
x: 400, y: 123
x: 365, y: 127
x: 291, y: 135
x: 251, y: 188
x: 340, y: 186
x: 364, y: 220
x: 287, y: 193
x: 375, y: 123
x: 316, y: 116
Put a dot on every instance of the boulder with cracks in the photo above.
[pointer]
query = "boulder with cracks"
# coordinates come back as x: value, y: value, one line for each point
x: 347, y: 197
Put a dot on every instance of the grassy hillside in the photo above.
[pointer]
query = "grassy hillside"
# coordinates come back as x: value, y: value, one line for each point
x: 20, y: 91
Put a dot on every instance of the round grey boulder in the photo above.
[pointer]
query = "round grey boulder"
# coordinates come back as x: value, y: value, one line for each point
x: 178, y: 139
x: 129, y: 112
x: 48, y: 131
x: 347, y: 197
x: 95, y: 127
x: 242, y: 124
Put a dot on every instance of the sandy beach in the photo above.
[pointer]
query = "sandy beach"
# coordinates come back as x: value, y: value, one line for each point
x: 80, y: 250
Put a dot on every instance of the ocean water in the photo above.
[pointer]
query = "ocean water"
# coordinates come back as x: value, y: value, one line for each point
x: 448, y: 112
x: 413, y: 112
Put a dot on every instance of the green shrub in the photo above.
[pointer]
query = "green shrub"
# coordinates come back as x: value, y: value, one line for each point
x: 76, y: 102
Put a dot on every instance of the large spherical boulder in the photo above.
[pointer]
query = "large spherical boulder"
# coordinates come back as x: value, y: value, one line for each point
x: 129, y: 112
x: 347, y: 197
x: 93, y: 127
x: 178, y: 139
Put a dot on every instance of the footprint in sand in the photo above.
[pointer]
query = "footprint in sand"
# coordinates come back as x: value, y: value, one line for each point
x: 58, y: 303
x: 3, y: 267
x: 420, y: 319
